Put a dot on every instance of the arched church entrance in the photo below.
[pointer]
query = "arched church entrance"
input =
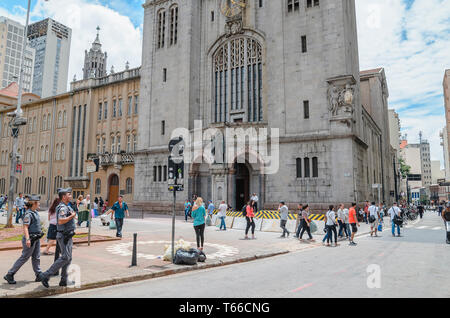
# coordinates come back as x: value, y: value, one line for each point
x: 113, y: 186
x: 242, y: 185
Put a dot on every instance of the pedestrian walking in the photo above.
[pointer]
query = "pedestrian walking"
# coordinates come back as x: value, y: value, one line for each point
x: 66, y: 230
x: 395, y: 213
x: 354, y: 223
x: 187, y: 209
x: 52, y: 228
x: 341, y: 220
x: 222, y: 214
x: 20, y: 207
x: 374, y: 217
x: 330, y: 221
x: 299, y: 220
x: 31, y: 245
x: 305, y: 224
x: 249, y: 216
x: 284, y: 214
x: 101, y: 203
x: 420, y: 208
x: 199, y: 215
x: 366, y: 212
x: 255, y: 199
x: 446, y: 218
x: 118, y: 211
x: 211, y: 208
x: 348, y: 233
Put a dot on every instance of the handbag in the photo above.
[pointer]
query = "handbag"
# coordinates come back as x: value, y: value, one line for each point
x: 112, y: 225
x: 372, y: 219
x: 380, y: 228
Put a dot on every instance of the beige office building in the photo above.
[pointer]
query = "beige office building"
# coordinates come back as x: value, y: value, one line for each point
x: 11, y: 42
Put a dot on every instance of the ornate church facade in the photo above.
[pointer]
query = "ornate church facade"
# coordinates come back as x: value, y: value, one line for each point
x: 290, y: 65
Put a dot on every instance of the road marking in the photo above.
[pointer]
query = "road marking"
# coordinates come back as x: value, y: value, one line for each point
x: 437, y: 228
x: 422, y: 227
x: 124, y: 249
x: 302, y: 287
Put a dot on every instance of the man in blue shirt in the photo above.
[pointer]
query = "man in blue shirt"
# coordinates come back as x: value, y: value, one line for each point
x: 118, y: 211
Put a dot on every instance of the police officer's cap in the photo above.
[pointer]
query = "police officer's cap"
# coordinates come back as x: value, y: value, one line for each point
x: 34, y: 198
x: 64, y: 191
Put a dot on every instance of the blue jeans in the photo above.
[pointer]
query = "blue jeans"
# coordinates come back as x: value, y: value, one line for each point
x: 222, y: 223
x: 393, y: 228
x: 19, y: 214
x: 119, y: 224
x: 186, y: 214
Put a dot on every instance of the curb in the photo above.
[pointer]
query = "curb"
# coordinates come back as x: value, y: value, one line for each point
x: 3, y: 249
x: 130, y: 279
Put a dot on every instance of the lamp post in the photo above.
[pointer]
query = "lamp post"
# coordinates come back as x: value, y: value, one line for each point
x: 16, y: 121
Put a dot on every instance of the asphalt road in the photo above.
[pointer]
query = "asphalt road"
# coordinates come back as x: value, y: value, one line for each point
x: 415, y: 265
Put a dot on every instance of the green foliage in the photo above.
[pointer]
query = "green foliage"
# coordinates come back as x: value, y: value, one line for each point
x: 404, y: 168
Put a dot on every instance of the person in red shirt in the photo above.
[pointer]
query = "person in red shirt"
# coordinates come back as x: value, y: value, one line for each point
x: 353, y: 221
x: 250, y: 214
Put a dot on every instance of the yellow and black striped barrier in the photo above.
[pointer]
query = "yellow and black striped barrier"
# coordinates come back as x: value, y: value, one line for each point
x: 271, y: 215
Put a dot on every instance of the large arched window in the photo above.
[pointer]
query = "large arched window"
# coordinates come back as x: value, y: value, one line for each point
x: 63, y: 152
x: 2, y: 185
x: 58, y: 152
x: 42, y: 184
x: 237, y: 79
x: 60, y: 124
x: 64, y: 119
x: 58, y: 184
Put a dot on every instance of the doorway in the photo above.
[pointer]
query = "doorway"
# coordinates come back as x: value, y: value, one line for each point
x: 113, y: 195
x: 242, y: 185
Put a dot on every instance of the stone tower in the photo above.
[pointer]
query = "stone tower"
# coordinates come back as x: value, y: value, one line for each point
x: 286, y: 65
x: 95, y: 60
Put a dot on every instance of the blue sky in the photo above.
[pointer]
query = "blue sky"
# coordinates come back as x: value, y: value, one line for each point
x: 409, y: 38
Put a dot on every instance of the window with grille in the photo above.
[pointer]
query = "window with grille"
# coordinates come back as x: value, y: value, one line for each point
x: 161, y: 28
x: 129, y: 186
x: 240, y: 61
x: 173, y: 25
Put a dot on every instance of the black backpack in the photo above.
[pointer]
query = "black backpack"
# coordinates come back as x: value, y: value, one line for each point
x: 244, y: 210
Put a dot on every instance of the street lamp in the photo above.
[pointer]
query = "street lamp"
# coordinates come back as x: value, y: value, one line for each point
x: 16, y: 121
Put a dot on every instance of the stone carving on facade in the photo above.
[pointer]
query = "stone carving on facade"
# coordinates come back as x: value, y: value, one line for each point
x: 341, y: 100
x: 234, y: 25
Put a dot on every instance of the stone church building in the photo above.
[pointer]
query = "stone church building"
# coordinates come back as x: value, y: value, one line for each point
x: 286, y: 64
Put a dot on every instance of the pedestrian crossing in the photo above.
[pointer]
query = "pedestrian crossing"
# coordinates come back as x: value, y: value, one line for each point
x: 426, y: 227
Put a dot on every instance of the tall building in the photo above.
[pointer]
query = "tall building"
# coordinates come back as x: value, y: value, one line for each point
x: 95, y: 60
x: 437, y: 173
x: 394, y: 130
x: 446, y: 131
x: 289, y: 65
x: 445, y: 148
x: 51, y: 40
x: 11, y: 44
x: 417, y: 156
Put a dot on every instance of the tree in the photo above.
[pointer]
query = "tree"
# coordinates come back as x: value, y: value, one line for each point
x: 404, y: 168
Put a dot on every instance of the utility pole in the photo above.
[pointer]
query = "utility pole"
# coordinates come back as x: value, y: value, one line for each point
x: 15, y: 123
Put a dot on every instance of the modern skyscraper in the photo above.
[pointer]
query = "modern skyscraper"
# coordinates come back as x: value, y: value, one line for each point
x: 11, y: 41
x: 51, y: 40
x: 95, y: 60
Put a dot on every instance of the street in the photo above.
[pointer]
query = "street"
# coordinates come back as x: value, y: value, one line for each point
x: 415, y: 265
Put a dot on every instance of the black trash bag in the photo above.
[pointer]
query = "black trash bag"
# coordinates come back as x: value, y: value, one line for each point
x: 201, y: 257
x: 186, y: 257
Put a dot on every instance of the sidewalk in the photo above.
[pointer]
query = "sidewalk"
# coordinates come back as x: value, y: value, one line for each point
x: 105, y: 264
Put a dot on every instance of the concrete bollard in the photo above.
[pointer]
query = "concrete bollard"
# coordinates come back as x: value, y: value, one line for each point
x: 134, y: 257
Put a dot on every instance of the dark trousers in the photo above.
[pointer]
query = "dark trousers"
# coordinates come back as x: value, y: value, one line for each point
x: 119, y: 225
x: 63, y: 262
x: 250, y: 224
x: 19, y: 214
x: 200, y: 234
x: 255, y: 206
x: 331, y: 229
x: 342, y: 229
x: 283, y: 227
x: 304, y: 226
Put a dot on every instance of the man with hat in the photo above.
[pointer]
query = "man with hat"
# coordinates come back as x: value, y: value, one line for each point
x: 66, y: 230
x: 31, y: 245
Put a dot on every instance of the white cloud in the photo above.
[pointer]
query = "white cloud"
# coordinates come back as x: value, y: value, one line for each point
x: 415, y: 66
x: 120, y: 39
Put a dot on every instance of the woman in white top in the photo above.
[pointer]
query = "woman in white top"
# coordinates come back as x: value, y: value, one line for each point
x: 222, y: 215
x: 330, y: 224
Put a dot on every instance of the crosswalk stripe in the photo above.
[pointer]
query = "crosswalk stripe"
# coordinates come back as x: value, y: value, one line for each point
x: 422, y: 227
x: 437, y: 228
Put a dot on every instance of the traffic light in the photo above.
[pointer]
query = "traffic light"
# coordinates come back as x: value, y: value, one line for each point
x: 176, y: 165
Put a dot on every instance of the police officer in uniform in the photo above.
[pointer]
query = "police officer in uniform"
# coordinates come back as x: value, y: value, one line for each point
x: 66, y: 229
x: 32, y: 233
